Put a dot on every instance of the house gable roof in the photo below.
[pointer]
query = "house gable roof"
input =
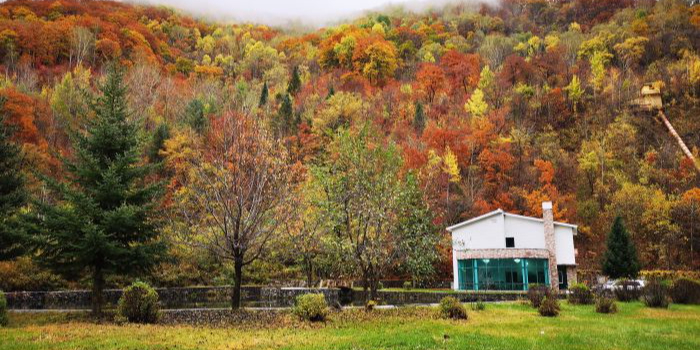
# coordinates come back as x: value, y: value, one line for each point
x: 501, y: 212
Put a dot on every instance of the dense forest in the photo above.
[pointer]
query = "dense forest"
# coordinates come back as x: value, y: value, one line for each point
x: 272, y: 154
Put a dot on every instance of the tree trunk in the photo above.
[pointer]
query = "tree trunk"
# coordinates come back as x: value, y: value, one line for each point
x: 373, y: 288
x: 237, y: 282
x: 309, y: 274
x: 97, y: 297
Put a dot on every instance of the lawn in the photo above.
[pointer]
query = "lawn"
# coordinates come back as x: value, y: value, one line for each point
x: 500, y: 326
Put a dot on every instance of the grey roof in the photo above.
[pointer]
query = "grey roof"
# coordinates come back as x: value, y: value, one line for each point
x: 501, y: 212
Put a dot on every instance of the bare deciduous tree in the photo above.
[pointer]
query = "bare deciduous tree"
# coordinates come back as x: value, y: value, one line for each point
x: 235, y: 195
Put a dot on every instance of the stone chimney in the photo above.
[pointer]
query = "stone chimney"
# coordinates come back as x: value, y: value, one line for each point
x: 550, y: 243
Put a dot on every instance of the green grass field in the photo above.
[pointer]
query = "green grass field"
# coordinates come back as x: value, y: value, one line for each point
x: 500, y: 326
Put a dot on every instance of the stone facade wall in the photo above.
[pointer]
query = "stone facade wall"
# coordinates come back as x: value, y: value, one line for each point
x: 571, y: 275
x: 550, y: 244
x: 506, y: 253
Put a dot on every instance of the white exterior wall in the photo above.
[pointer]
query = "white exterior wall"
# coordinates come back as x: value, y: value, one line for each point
x: 528, y: 234
x: 564, y: 238
x: 484, y: 234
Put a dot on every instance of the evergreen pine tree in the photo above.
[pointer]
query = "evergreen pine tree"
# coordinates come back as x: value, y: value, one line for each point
x: 161, y: 134
x: 194, y: 116
x: 419, y: 118
x: 331, y: 92
x: 295, y: 83
x: 12, y: 193
x: 102, y: 222
x: 285, y: 117
x: 263, y: 95
x: 620, y: 259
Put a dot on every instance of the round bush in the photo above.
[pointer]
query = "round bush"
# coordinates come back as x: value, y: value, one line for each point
x: 580, y: 294
x: 3, y: 310
x: 311, y: 307
x: 450, y: 307
x: 138, y: 304
x: 685, y: 291
x: 549, y: 306
x: 407, y: 285
x: 655, y: 294
x: 626, y: 290
x: 605, y: 305
x: 536, y: 293
x: 370, y: 305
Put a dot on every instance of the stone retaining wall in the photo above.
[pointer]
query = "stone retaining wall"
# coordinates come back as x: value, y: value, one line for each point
x: 208, y: 297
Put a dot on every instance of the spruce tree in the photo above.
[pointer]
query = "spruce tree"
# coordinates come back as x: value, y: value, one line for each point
x: 102, y: 221
x: 419, y: 118
x: 263, y: 95
x: 12, y: 193
x: 161, y: 134
x: 620, y: 259
x: 285, y: 117
x: 194, y: 116
x: 295, y: 83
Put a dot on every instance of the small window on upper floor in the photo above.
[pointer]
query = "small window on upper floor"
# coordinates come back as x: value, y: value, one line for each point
x: 510, y: 242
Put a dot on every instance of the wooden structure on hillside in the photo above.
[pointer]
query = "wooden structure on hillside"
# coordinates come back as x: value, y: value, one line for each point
x: 650, y: 101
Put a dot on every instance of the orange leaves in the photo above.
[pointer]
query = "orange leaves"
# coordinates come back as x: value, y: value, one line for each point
x: 546, y: 169
x: 462, y: 70
x: 431, y: 79
x: 19, y: 109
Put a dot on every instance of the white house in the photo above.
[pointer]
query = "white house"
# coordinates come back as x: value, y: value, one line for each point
x: 503, y: 251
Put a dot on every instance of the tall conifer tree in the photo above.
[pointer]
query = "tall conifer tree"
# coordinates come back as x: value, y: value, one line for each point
x: 264, y: 95
x: 12, y: 192
x: 102, y: 222
x: 620, y: 259
x: 295, y: 83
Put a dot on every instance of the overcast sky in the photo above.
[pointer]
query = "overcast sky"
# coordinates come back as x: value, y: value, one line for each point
x: 275, y: 12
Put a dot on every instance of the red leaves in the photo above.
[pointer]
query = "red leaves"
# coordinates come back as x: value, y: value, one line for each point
x: 462, y: 70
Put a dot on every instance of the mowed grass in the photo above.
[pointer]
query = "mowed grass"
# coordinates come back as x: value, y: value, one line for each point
x: 500, y: 326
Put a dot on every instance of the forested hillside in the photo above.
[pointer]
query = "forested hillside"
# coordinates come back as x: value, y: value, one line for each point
x: 344, y: 152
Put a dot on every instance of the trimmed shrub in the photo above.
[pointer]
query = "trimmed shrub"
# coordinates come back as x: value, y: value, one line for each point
x: 549, y: 306
x: 311, y: 307
x: 479, y: 305
x: 580, y: 294
x: 3, y: 310
x: 655, y: 294
x: 138, y: 304
x: 450, y: 307
x: 626, y: 290
x: 536, y: 293
x: 605, y: 305
x: 685, y: 291
x: 371, y: 304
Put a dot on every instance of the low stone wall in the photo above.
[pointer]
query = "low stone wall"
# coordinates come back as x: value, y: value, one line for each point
x: 252, y: 296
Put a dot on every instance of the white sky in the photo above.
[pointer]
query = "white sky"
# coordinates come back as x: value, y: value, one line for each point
x: 276, y: 12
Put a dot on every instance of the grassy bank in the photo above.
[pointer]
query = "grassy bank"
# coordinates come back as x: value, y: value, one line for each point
x: 502, y: 326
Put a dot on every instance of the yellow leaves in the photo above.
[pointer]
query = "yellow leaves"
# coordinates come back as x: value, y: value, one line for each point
x: 476, y: 105
x: 632, y: 49
x: 341, y: 108
x: 450, y: 166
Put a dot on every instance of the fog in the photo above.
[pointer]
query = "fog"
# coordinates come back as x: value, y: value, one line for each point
x: 284, y: 12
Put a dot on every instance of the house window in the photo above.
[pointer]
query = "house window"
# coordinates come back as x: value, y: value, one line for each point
x: 510, y: 242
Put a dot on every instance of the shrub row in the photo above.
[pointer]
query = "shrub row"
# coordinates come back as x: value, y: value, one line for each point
x: 668, y: 274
